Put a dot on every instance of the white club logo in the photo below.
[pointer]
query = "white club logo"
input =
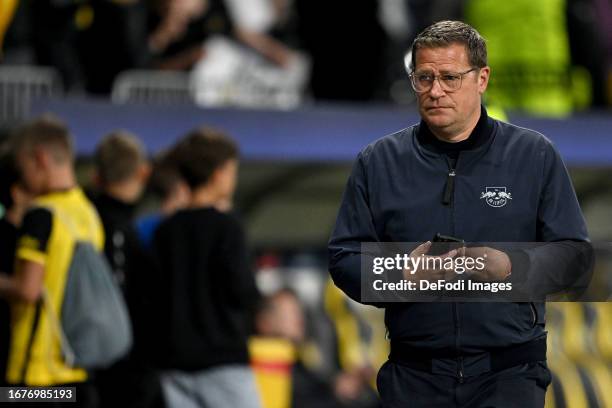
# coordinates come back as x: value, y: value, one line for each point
x: 496, y: 196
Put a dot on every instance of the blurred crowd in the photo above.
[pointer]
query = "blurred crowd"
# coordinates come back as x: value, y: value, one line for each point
x: 212, y: 321
x: 548, y: 57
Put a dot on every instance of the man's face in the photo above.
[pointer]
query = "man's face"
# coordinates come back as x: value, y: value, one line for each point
x: 32, y: 171
x: 449, y: 112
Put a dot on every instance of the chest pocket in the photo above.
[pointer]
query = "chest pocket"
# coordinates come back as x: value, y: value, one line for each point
x: 500, y: 208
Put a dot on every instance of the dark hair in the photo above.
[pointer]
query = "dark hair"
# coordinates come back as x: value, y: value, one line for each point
x: 118, y: 156
x: 445, y: 33
x: 165, y: 175
x: 201, y: 152
x: 47, y: 132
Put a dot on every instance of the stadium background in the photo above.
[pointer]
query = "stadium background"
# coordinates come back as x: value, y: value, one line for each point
x: 300, y: 124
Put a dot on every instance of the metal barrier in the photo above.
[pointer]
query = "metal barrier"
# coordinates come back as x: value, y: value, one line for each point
x: 20, y: 85
x: 151, y: 87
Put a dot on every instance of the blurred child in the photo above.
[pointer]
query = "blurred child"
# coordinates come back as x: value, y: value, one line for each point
x: 205, y: 289
x: 60, y: 216
x: 122, y: 170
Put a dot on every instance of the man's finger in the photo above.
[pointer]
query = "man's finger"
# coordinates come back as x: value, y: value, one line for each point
x: 421, y: 249
x: 450, y: 254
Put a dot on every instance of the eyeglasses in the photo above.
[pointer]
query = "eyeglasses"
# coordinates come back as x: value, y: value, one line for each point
x: 449, y: 82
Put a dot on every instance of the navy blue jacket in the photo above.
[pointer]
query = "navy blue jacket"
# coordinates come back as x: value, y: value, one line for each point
x: 395, y: 193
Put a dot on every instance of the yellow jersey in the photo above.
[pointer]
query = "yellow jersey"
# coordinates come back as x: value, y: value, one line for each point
x: 48, y: 235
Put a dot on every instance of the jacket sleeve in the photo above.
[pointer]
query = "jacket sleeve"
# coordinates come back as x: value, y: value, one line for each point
x: 559, y: 214
x: 354, y: 225
x: 565, y: 262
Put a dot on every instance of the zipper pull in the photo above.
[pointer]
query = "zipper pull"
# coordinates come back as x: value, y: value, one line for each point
x: 447, y: 199
x: 460, y: 370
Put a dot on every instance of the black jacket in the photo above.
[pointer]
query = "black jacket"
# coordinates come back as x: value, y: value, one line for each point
x: 396, y: 193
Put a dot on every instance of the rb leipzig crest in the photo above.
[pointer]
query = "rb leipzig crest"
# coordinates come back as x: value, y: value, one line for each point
x: 496, y: 196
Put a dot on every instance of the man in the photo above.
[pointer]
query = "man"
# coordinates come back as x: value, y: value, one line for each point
x: 206, y: 292
x: 60, y: 215
x: 430, y: 178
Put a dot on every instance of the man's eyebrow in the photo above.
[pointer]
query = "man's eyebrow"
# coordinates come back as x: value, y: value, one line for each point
x: 440, y: 72
x: 454, y: 71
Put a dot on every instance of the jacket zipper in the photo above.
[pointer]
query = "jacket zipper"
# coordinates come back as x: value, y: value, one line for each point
x: 449, y: 190
x: 448, y: 199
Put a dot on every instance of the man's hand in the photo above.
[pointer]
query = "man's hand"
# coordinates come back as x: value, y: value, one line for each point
x: 497, y: 264
x: 432, y: 275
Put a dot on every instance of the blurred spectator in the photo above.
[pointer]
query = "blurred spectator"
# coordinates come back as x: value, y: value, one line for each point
x: 279, y: 328
x: 397, y: 21
x: 181, y: 27
x: 122, y: 170
x: 346, y: 43
x: 169, y: 190
x: 13, y: 205
x: 178, y: 29
x: 60, y: 215
x: 604, y: 14
x: 113, y: 40
x: 272, y: 17
x: 55, y: 27
x: 604, y: 17
x: 587, y: 45
x: 205, y: 290
x: 282, y: 377
x: 17, y: 40
x: 361, y: 347
x: 337, y: 343
x: 281, y: 316
x: 6, y: 15
x: 234, y: 59
x: 530, y: 57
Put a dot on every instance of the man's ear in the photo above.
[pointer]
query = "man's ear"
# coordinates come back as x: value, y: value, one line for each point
x: 483, y: 79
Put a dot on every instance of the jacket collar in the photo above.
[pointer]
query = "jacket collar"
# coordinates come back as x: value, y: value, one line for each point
x: 481, y: 134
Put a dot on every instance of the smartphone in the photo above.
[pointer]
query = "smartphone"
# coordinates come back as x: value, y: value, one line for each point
x: 442, y: 244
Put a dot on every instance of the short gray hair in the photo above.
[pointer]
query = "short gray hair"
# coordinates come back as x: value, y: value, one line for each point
x: 445, y: 33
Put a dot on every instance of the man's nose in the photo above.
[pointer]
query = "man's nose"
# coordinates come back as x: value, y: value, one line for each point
x: 436, y: 90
